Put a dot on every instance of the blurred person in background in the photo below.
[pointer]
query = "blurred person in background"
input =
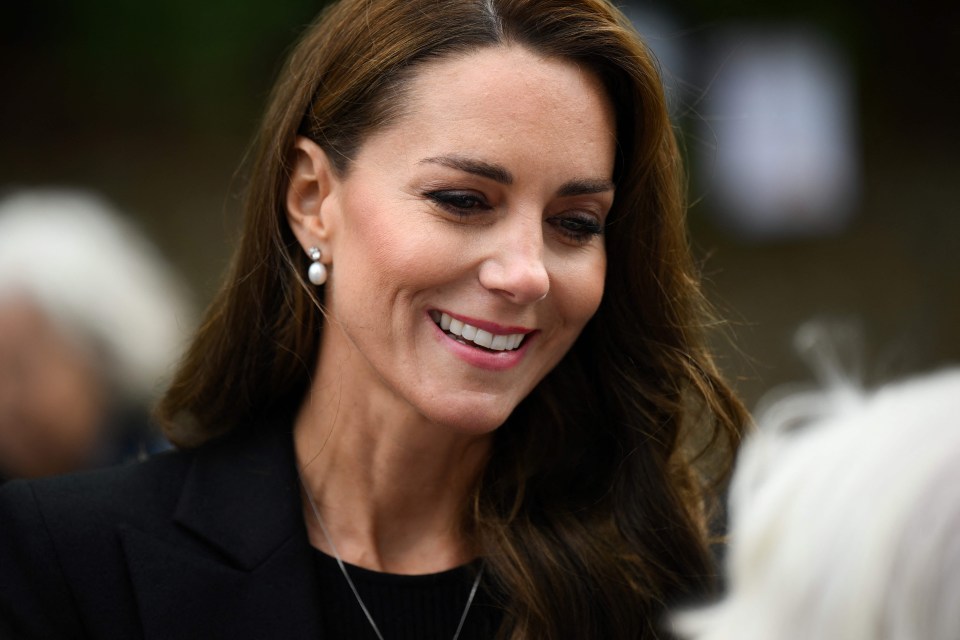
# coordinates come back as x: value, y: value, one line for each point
x: 845, y: 519
x: 91, y: 321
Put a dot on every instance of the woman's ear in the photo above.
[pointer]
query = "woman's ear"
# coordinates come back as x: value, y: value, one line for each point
x: 310, y: 195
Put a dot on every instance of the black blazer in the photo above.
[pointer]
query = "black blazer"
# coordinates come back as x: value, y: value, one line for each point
x: 203, y: 544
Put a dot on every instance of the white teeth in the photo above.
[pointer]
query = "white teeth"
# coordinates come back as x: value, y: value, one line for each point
x: 484, y: 338
x: 494, y: 342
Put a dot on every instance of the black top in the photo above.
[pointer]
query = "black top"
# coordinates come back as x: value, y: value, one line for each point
x: 208, y: 543
x: 405, y: 607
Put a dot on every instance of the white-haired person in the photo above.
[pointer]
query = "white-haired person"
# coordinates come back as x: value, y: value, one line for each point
x: 846, y: 527
x: 91, y: 319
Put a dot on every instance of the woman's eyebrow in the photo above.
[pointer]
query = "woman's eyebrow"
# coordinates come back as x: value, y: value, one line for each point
x: 494, y: 172
x: 501, y: 174
x: 585, y: 187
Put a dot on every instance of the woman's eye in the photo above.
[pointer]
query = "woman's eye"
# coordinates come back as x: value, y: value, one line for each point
x: 461, y: 203
x: 579, y: 228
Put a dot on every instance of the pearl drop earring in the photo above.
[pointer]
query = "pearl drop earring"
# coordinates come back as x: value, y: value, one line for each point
x: 317, y: 273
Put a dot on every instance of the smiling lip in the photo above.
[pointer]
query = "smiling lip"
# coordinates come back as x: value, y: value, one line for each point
x: 503, y: 347
x: 486, y: 325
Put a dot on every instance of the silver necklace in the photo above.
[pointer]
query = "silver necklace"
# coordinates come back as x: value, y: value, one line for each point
x: 353, y: 588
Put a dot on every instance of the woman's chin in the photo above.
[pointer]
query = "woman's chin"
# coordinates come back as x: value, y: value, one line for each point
x: 463, y: 408
x: 470, y: 419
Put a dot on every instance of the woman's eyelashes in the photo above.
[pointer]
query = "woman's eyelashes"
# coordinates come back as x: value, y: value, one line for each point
x: 579, y: 228
x: 459, y: 202
x: 572, y: 226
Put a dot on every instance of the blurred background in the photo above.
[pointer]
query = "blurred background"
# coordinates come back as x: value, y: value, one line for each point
x: 821, y: 139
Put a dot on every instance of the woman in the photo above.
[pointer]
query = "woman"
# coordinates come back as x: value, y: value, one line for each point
x: 475, y: 419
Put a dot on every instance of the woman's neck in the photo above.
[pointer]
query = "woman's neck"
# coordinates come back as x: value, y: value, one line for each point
x: 392, y: 488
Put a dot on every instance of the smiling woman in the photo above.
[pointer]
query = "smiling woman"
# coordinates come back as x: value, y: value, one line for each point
x: 480, y: 414
x: 471, y: 205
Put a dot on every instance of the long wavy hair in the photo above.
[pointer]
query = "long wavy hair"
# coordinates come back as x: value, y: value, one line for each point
x: 590, y: 513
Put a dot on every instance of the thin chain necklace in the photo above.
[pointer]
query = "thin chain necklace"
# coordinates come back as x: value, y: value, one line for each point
x: 353, y: 588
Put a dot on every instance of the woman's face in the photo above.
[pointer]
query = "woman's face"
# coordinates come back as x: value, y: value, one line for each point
x: 466, y: 238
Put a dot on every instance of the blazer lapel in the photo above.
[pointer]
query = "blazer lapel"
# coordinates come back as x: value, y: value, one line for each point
x: 239, y: 563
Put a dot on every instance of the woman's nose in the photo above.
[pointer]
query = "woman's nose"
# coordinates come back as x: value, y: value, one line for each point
x: 515, y: 267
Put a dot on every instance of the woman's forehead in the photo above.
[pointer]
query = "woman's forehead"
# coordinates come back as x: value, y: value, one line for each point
x: 504, y: 104
x: 491, y: 74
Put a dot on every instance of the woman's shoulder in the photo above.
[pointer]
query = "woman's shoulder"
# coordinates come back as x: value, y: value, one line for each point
x: 60, y: 541
x: 77, y: 546
x: 110, y: 485
x: 137, y: 493
x: 86, y: 501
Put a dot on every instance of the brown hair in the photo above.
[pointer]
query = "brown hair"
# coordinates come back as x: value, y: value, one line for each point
x: 589, y: 514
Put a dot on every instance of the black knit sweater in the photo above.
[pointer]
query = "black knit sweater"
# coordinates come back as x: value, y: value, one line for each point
x: 421, y: 607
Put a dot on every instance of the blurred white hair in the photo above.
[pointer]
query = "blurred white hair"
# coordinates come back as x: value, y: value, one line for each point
x: 95, y: 276
x: 847, y: 528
